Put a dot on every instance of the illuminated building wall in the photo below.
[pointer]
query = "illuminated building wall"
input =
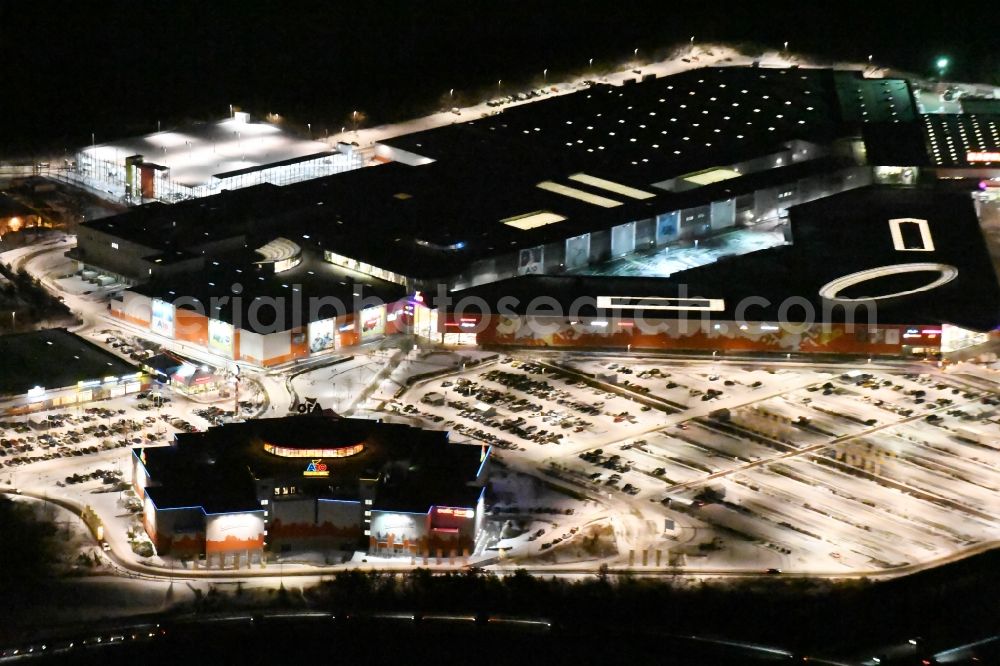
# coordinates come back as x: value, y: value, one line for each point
x: 240, y: 534
x: 177, y: 532
x: 266, y: 349
x: 190, y: 326
x: 446, y: 531
x: 42, y: 398
x: 314, y: 524
x: 398, y: 532
x: 704, y: 335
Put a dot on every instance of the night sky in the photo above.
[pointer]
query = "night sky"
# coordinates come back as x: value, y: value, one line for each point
x: 115, y: 68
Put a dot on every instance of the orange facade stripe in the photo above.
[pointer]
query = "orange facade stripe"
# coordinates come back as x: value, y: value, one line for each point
x: 231, y: 543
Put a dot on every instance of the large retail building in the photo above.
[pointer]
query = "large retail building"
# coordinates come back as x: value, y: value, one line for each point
x: 605, y: 187
x: 207, y: 158
x: 311, y: 483
x: 54, y: 368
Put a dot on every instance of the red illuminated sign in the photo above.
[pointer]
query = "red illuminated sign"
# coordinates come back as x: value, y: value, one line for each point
x: 459, y: 513
x: 982, y: 157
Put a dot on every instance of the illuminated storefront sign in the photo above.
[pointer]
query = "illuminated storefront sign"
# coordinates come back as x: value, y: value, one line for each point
x: 316, y: 468
x: 920, y: 333
x: 220, y: 336
x: 322, y: 335
x: 372, y: 322
x: 458, y: 513
x: 982, y: 157
x: 162, y: 320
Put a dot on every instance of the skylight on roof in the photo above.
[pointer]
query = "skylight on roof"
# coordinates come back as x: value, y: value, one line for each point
x: 533, y: 220
x: 611, y: 186
x: 574, y: 193
x: 710, y: 176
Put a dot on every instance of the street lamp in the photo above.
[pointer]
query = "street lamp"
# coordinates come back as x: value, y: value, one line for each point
x: 942, y: 65
x: 635, y: 53
x: 545, y: 74
x: 786, y: 46
x: 309, y: 125
x: 870, y: 59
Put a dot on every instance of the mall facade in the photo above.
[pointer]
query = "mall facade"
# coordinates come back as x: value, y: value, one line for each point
x: 312, y: 483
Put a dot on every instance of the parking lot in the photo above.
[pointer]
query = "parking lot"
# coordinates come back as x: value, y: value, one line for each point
x: 521, y: 406
x: 816, y: 467
x: 90, y: 430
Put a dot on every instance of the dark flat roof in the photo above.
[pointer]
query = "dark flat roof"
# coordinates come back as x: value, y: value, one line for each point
x: 434, y: 221
x: 831, y: 238
x: 257, y: 284
x: 272, y: 165
x: 216, y: 469
x: 180, y: 226
x: 636, y: 133
x: 952, y: 136
x: 452, y: 215
x: 53, y: 358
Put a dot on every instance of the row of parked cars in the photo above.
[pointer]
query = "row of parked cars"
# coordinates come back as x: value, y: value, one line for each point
x: 521, y: 96
x: 128, y: 348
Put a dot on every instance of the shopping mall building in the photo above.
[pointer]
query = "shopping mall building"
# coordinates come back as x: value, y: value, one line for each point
x: 733, y: 181
x: 311, y: 483
x: 53, y: 369
x: 206, y: 158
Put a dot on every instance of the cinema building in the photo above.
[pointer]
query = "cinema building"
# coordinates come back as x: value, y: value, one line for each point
x: 311, y: 483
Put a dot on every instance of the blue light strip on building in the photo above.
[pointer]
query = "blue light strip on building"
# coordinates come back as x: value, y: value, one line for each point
x: 199, y: 507
x: 485, y: 458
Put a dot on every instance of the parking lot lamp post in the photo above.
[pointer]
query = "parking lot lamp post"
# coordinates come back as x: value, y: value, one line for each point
x: 942, y: 66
